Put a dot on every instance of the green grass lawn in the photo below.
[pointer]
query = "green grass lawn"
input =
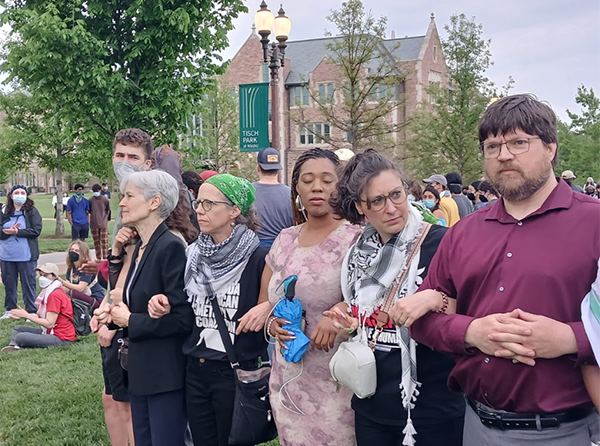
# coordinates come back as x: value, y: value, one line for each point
x: 47, y: 242
x: 52, y: 397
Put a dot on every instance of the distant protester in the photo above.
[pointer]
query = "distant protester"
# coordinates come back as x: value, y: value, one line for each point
x: 19, y: 250
x: 99, y: 217
x: 80, y: 285
x: 78, y: 214
x: 431, y: 200
x: 192, y: 181
x: 54, y: 315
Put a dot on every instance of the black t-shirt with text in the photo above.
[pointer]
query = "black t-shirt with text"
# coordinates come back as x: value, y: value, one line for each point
x: 435, y: 402
x: 205, y: 340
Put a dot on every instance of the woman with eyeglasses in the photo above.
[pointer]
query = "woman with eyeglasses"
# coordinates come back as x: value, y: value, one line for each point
x: 226, y: 262
x: 411, y: 390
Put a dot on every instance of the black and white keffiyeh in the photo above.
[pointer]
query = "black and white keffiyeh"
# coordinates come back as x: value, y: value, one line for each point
x: 368, y: 271
x: 210, y: 267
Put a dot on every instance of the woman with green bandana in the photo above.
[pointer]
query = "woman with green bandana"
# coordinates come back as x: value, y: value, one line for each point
x: 226, y: 261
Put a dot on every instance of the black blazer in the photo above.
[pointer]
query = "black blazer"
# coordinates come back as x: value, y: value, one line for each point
x: 156, y: 359
x: 33, y: 220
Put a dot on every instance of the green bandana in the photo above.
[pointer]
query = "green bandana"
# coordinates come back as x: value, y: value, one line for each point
x: 238, y: 190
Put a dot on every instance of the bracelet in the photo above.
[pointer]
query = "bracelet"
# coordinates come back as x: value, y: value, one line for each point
x: 119, y: 257
x: 444, y: 302
x: 269, y: 325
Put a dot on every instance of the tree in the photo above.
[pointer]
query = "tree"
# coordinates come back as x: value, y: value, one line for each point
x: 443, y: 134
x: 579, y: 142
x: 33, y: 132
x: 369, y: 81
x: 213, y: 136
x: 103, y: 66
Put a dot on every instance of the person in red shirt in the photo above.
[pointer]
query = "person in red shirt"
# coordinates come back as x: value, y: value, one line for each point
x: 54, y: 316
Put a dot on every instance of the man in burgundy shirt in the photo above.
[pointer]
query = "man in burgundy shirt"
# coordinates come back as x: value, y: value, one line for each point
x: 519, y: 269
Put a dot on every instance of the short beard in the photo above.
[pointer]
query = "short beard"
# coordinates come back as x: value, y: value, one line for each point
x: 526, y: 189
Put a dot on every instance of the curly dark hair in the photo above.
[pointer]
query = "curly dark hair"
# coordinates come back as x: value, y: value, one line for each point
x: 310, y: 154
x: 361, y: 168
x: 179, y: 219
x: 134, y: 137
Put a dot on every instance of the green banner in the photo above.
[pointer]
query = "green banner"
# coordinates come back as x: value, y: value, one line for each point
x: 254, y: 117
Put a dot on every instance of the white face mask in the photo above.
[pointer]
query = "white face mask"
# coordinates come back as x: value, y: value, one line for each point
x: 123, y: 169
x: 96, y: 194
x: 19, y: 199
x: 44, y: 282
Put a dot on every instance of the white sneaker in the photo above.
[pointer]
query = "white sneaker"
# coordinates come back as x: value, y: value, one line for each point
x: 6, y: 315
x: 11, y: 348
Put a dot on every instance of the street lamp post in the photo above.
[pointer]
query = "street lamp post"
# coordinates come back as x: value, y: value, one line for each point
x: 274, y: 55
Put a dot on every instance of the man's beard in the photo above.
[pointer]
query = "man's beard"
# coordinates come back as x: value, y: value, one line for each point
x: 528, y: 184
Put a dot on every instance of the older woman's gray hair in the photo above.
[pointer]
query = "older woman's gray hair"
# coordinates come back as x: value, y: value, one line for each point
x: 155, y: 182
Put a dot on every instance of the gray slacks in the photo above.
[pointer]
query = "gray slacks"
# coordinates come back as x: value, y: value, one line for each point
x: 32, y: 337
x: 577, y: 433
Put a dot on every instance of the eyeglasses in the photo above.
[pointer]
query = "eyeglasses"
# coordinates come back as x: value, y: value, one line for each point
x: 208, y: 204
x: 397, y: 196
x: 515, y: 146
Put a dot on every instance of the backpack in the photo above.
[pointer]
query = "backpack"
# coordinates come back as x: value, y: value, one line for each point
x: 82, y: 315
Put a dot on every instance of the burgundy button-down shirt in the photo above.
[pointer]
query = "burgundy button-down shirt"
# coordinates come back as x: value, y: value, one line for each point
x: 544, y: 264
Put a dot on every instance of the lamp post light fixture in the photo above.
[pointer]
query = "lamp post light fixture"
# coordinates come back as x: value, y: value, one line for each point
x: 274, y: 55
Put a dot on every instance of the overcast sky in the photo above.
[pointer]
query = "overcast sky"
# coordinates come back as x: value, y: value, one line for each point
x: 549, y: 47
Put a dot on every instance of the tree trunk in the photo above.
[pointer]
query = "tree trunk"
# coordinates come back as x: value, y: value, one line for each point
x: 60, y: 223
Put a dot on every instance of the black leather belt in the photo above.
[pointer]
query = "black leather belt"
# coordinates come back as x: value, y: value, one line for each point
x: 527, y: 421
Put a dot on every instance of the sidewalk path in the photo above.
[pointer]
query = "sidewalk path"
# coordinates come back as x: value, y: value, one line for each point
x: 58, y: 258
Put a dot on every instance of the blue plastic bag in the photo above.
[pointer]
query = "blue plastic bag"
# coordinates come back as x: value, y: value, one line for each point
x: 290, y: 309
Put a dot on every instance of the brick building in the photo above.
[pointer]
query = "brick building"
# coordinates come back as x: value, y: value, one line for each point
x: 307, y: 66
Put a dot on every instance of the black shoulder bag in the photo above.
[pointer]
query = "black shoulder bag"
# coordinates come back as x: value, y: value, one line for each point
x: 252, y: 421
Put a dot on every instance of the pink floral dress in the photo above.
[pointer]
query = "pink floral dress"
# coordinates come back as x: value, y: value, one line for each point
x: 327, y: 417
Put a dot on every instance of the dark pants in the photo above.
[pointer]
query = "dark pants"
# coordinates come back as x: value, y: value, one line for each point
x: 11, y: 271
x: 209, y: 397
x: 32, y: 337
x: 159, y: 420
x: 80, y: 232
x: 444, y: 432
x: 95, y: 303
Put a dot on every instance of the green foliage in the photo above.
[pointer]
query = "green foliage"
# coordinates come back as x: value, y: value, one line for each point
x: 579, y: 142
x: 213, y: 137
x: 103, y: 66
x: 53, y: 397
x: 367, y: 85
x: 443, y: 134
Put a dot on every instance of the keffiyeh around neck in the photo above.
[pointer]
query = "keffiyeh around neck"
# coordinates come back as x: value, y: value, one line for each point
x: 368, y: 271
x: 41, y: 302
x: 212, y: 265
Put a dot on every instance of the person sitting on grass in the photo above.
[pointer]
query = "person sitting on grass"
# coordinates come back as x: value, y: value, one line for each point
x: 80, y: 285
x: 54, y: 316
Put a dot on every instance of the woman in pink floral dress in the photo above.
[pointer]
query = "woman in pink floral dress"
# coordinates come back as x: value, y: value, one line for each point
x: 308, y: 409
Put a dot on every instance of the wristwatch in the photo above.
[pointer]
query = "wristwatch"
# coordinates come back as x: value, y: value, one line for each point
x: 110, y: 257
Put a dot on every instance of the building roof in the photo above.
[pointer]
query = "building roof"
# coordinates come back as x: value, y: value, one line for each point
x: 306, y: 55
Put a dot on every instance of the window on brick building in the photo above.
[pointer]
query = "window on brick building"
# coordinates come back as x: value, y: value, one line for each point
x: 314, y: 133
x: 383, y: 91
x: 265, y: 72
x: 326, y: 92
x: 299, y: 96
x: 434, y: 54
x: 435, y: 78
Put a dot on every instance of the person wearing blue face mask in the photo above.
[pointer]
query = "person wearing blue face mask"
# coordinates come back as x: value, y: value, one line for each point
x: 19, y: 251
x: 78, y: 214
x: 431, y: 199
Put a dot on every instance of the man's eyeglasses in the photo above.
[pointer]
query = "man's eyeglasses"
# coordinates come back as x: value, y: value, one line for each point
x: 515, y: 146
x: 397, y: 196
x: 208, y: 204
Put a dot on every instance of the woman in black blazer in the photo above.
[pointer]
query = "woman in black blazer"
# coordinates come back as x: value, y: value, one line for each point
x: 156, y: 364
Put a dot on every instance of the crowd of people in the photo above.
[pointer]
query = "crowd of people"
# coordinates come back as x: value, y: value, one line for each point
x: 468, y: 297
